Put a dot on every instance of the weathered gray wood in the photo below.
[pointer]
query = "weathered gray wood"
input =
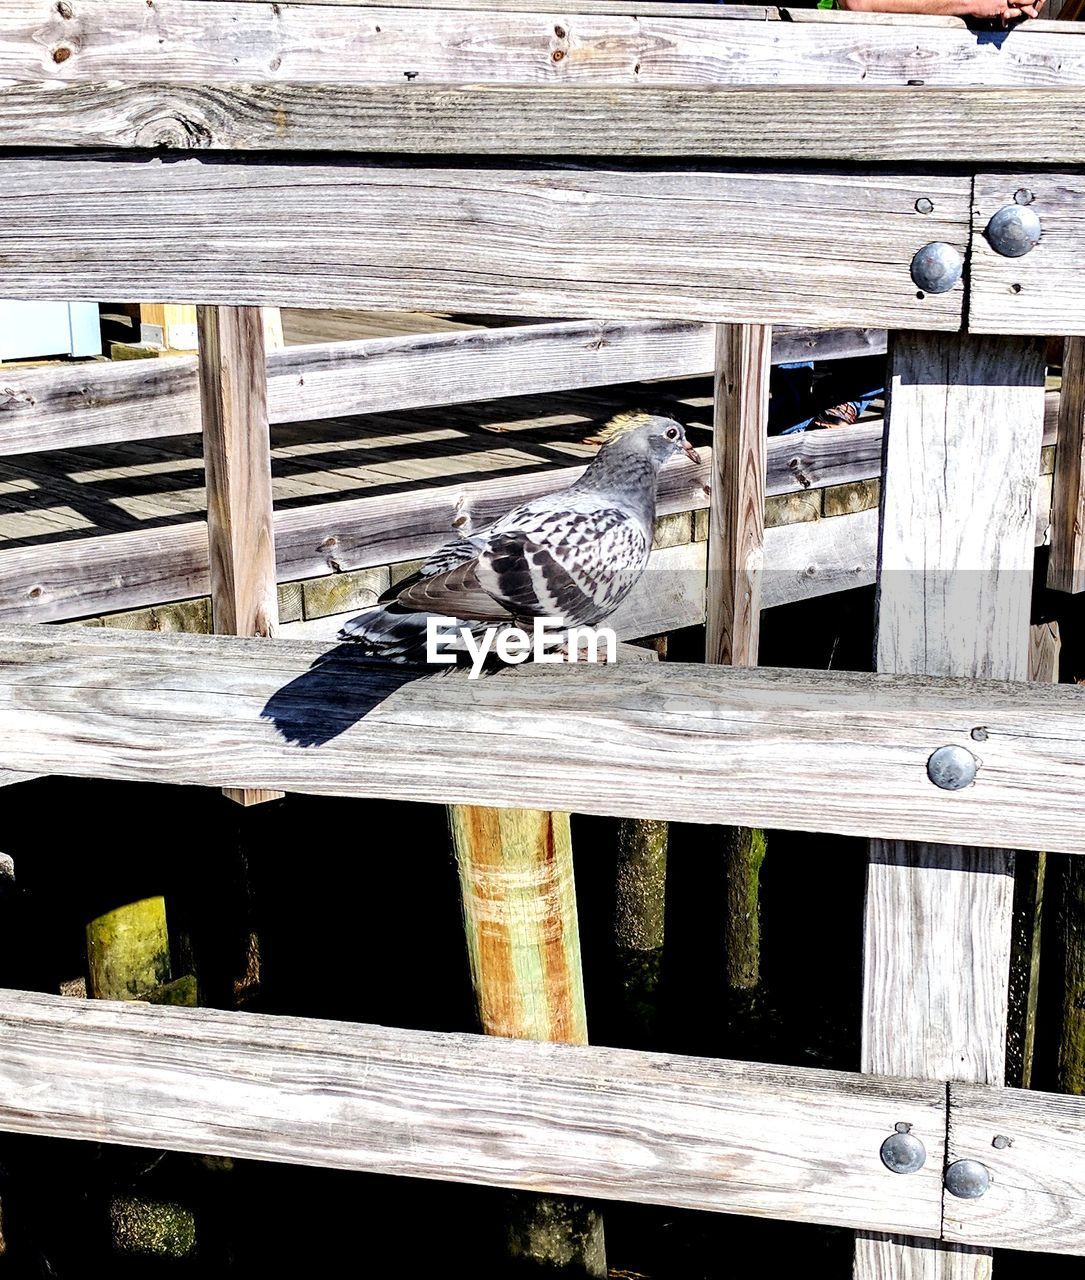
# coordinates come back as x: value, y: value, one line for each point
x: 955, y: 577
x: 8, y: 777
x: 801, y: 750
x: 237, y: 464
x: 1035, y: 1200
x: 617, y: 244
x: 1066, y: 566
x: 621, y: 43
x: 67, y: 406
x: 128, y: 570
x: 736, y: 526
x: 602, y: 1122
x: 1042, y: 291
x: 728, y: 122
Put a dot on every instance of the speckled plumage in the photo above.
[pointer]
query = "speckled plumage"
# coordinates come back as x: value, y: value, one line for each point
x: 573, y: 555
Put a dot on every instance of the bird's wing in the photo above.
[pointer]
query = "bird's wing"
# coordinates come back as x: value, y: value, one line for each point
x: 572, y: 564
x: 450, y: 556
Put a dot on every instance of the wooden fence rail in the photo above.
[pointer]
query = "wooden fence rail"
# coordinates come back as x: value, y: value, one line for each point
x: 70, y: 406
x: 810, y: 751
x: 611, y: 43
x: 789, y: 1143
x: 742, y: 1138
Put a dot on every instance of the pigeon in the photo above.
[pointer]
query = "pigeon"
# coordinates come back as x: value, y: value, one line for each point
x: 572, y: 556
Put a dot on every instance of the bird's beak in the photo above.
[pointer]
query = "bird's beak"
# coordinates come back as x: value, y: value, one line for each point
x: 691, y: 453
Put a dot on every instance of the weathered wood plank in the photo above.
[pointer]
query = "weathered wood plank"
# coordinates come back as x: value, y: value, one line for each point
x: 1042, y: 291
x: 128, y: 570
x: 736, y: 525
x: 67, y: 406
x: 618, y: 43
x: 237, y: 465
x: 617, y: 243
x: 955, y: 579
x: 606, y: 1123
x: 1035, y: 1200
x: 1066, y: 566
x: 800, y: 750
x: 523, y: 941
x: 769, y: 123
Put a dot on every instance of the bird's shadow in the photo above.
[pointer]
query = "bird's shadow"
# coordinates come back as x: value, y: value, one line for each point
x: 339, y: 689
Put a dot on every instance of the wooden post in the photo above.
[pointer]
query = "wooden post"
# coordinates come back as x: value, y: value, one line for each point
x: 963, y: 436
x: 519, y: 905
x: 640, y: 887
x: 237, y: 461
x: 1066, y: 564
x: 1030, y: 878
x: 736, y: 541
x: 128, y: 958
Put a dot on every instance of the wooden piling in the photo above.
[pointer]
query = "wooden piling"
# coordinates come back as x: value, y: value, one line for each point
x: 237, y: 463
x: 736, y: 550
x: 1066, y: 564
x: 1030, y: 881
x: 955, y: 578
x: 128, y: 958
x: 640, y: 884
x: 519, y: 905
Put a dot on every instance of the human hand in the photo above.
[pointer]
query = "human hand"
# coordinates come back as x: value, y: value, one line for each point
x: 1006, y: 11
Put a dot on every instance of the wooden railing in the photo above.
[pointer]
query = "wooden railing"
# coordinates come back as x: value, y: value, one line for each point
x: 707, y: 188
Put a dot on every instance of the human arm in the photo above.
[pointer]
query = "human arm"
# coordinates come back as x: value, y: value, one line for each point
x: 949, y: 8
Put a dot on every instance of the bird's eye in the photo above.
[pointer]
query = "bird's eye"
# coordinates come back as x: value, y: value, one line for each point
x: 672, y: 433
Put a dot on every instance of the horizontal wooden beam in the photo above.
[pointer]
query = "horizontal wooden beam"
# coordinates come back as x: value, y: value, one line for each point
x: 780, y: 1142
x: 610, y: 43
x: 66, y: 406
x: 82, y: 577
x: 814, y: 751
x: 787, y: 123
x: 621, y: 243
x: 1033, y: 1146
x: 1041, y: 291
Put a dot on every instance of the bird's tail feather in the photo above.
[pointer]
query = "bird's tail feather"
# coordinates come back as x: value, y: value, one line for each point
x: 399, y: 635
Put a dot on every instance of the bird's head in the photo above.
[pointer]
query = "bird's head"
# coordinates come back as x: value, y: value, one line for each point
x: 659, y: 437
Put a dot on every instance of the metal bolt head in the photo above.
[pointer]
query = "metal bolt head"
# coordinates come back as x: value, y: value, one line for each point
x: 937, y: 267
x: 1023, y: 196
x: 924, y: 205
x: 1000, y: 1142
x: 952, y: 768
x: 967, y: 1179
x: 1014, y: 231
x: 903, y: 1153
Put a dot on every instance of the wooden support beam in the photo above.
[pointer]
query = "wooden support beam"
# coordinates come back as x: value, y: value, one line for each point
x: 127, y: 570
x: 736, y: 557
x: 612, y: 42
x: 1041, y: 291
x: 1030, y: 880
x: 302, y: 232
x: 1066, y: 566
x: 1033, y: 1145
x: 736, y: 526
x: 738, y: 123
x: 519, y: 907
x: 564, y: 1119
x: 64, y: 406
x: 237, y: 464
x: 828, y: 751
x: 955, y: 581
